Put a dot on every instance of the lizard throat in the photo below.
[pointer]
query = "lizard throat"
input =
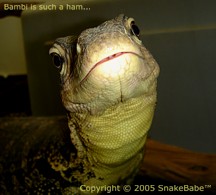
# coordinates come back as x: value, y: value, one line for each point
x: 111, y: 57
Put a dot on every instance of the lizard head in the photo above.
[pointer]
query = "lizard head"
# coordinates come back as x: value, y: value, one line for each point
x: 103, y: 66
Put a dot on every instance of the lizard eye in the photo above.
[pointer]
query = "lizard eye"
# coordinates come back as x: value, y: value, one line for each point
x: 57, y: 60
x: 134, y: 29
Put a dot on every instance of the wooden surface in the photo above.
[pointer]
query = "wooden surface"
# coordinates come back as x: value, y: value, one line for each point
x: 177, y: 165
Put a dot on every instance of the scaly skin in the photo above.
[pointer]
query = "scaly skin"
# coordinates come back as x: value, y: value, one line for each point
x: 109, y: 88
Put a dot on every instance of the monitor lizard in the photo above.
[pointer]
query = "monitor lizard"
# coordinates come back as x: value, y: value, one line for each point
x: 108, y: 87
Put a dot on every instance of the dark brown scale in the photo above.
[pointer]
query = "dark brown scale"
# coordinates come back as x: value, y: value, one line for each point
x: 24, y: 164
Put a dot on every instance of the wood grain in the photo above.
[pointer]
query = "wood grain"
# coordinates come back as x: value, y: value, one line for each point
x: 178, y: 165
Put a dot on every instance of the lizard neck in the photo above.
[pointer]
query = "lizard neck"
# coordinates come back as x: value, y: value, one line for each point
x: 119, y: 133
x: 113, y: 142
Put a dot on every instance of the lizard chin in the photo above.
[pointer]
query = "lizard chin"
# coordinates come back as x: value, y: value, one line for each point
x: 106, y: 59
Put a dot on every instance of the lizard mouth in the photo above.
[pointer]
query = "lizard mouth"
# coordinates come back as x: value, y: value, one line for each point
x: 111, y: 57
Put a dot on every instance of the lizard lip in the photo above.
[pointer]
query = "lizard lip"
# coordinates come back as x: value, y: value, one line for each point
x: 115, y: 55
